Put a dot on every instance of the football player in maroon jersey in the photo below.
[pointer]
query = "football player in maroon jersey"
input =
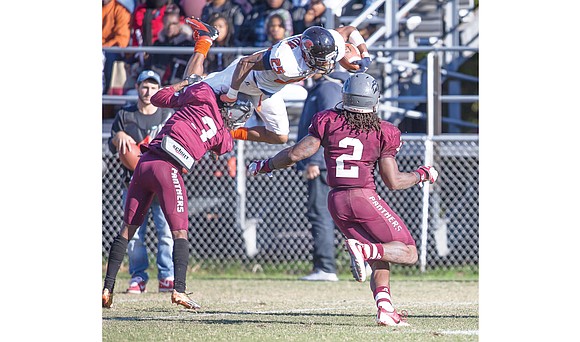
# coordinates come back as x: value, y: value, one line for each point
x: 355, y: 140
x: 200, y: 124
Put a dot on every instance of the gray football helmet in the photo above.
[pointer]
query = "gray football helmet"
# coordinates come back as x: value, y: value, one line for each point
x: 360, y: 93
x: 236, y: 114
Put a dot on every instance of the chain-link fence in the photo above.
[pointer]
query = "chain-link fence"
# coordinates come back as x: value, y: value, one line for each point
x: 259, y: 222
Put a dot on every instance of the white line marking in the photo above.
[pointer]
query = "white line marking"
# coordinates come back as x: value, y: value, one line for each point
x: 460, y: 332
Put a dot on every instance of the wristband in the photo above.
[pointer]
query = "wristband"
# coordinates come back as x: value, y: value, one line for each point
x: 365, y: 54
x: 355, y: 38
x: 232, y: 93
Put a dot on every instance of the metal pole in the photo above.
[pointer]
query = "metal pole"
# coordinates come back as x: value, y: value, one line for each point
x: 248, y: 226
x: 452, y: 58
x: 433, y: 128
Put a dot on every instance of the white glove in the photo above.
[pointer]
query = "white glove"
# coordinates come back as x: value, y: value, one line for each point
x: 427, y: 173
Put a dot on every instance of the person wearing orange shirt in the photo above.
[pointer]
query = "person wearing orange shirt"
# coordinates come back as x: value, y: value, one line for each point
x: 116, y: 32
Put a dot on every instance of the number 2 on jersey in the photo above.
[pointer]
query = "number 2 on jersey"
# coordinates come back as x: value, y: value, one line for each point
x: 352, y: 172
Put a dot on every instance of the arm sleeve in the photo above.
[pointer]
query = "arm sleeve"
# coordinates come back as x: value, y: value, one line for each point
x: 316, y: 128
x: 266, y: 59
x: 165, y: 98
x: 328, y: 95
x: 226, y: 145
x: 390, y: 140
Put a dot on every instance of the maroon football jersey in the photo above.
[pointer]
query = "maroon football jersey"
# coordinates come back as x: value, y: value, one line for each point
x: 351, y: 157
x: 197, y: 124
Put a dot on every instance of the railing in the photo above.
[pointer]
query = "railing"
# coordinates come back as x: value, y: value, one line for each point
x: 388, y: 103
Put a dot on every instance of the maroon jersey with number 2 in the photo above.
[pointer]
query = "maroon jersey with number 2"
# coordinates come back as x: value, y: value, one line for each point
x: 195, y: 128
x: 351, y: 158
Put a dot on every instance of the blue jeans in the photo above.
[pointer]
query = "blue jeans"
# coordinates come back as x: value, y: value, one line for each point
x: 323, y: 254
x: 137, y: 250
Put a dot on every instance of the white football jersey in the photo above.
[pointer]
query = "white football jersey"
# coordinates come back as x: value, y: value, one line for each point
x: 285, y: 64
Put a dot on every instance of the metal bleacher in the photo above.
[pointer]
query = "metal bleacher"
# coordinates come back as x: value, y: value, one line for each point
x: 401, y: 33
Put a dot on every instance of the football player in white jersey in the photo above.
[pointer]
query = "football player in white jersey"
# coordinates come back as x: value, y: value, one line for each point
x: 263, y: 74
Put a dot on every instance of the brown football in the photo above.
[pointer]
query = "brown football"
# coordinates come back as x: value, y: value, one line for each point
x: 130, y: 158
x: 351, y: 54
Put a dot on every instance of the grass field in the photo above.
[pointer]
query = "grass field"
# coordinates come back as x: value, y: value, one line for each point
x: 258, y: 309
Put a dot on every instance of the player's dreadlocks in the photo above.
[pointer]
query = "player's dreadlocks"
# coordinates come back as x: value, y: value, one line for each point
x: 363, y: 122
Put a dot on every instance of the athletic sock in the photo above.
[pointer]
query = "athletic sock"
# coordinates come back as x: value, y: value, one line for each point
x: 180, y: 259
x: 116, y: 255
x: 373, y: 251
x: 383, y: 299
x: 202, y: 46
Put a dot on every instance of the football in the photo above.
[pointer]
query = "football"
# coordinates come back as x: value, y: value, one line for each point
x: 351, y: 54
x: 130, y: 158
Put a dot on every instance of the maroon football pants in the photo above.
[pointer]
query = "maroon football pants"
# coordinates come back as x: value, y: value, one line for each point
x: 362, y: 215
x: 155, y: 175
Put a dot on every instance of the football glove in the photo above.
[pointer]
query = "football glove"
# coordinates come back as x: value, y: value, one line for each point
x: 230, y: 97
x: 427, y: 173
x: 260, y: 166
x: 227, y: 100
x: 364, y: 64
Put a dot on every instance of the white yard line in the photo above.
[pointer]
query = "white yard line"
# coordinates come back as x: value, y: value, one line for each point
x: 460, y: 332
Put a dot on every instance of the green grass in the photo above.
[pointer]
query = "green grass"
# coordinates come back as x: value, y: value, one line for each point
x: 263, y: 308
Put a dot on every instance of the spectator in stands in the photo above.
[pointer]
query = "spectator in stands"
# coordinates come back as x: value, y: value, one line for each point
x: 276, y: 29
x: 140, y: 123
x: 254, y: 33
x: 116, y: 32
x: 191, y: 8
x: 230, y: 10
x: 146, y: 25
x: 247, y: 5
x: 310, y: 14
x: 175, y: 33
x: 324, y: 94
x: 218, y: 61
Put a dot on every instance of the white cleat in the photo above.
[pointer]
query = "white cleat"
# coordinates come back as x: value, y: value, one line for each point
x: 390, y: 318
x: 357, y: 260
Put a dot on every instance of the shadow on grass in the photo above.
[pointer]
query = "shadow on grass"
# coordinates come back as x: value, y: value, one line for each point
x: 199, y: 316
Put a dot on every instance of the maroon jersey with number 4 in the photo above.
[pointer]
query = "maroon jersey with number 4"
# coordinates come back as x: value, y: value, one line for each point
x: 197, y: 123
x: 195, y: 128
x: 351, y: 157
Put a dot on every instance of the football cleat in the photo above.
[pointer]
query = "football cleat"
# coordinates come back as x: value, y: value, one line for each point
x: 183, y: 300
x: 201, y: 29
x: 390, y: 318
x: 166, y: 285
x: 357, y: 260
x: 136, y: 285
x: 107, y: 298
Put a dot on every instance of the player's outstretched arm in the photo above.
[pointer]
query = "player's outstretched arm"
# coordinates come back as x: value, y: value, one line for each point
x: 396, y: 180
x: 243, y: 68
x: 165, y: 97
x: 287, y: 157
x: 352, y: 35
